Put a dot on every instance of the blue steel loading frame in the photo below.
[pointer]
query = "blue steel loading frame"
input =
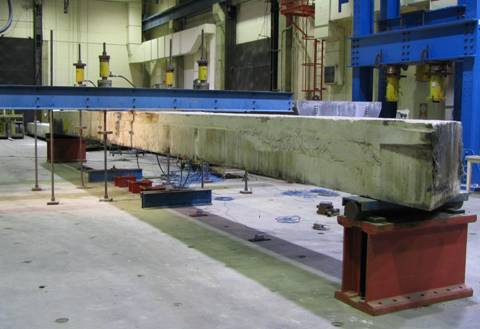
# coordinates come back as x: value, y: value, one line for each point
x: 127, y: 99
x: 444, y: 35
x: 139, y: 99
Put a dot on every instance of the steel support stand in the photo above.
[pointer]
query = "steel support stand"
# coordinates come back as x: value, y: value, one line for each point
x: 52, y: 201
x: 181, y: 174
x: 131, y: 133
x: 168, y: 168
x: 80, y: 137
x: 105, y: 133
x: 246, y: 190
x: 36, y: 187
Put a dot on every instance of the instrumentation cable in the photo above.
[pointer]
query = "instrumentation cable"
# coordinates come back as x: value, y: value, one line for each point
x: 10, y: 18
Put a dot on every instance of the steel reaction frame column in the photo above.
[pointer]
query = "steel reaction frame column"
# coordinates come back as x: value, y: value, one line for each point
x: 362, y: 79
x: 468, y: 72
x: 388, y: 10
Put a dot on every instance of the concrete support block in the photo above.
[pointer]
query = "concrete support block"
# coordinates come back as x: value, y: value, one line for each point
x: 408, y: 162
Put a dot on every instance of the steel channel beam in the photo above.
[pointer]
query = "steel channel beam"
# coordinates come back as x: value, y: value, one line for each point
x: 176, y: 198
x: 340, y: 3
x: 421, y: 18
x: 179, y: 11
x: 413, y: 45
x: 98, y: 175
x: 126, y: 99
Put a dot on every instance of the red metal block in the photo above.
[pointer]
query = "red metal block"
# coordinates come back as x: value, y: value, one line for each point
x: 122, y: 181
x: 394, y: 266
x: 135, y: 187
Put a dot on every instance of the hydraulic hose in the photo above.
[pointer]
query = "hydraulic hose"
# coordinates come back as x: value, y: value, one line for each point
x: 10, y: 18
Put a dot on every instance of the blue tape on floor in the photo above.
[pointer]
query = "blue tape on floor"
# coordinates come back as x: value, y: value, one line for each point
x: 310, y: 194
x: 223, y: 198
x: 288, y: 219
x: 301, y: 194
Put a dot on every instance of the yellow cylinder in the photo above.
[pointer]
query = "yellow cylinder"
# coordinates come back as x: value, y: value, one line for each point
x: 169, y: 78
x: 203, y: 73
x: 392, y: 88
x: 80, y: 75
x: 437, y: 91
x: 104, y: 69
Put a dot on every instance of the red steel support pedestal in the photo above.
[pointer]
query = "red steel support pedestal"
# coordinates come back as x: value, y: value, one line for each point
x: 67, y: 149
x: 392, y: 266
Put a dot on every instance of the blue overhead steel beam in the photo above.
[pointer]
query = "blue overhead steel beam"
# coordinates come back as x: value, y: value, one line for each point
x: 179, y: 11
x: 126, y: 99
x: 436, y: 42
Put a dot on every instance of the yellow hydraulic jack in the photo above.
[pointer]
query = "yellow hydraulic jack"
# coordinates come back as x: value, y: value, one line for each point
x: 393, y: 76
x: 438, y: 72
x: 104, y: 69
x: 201, y: 82
x: 80, y: 69
x: 170, y: 72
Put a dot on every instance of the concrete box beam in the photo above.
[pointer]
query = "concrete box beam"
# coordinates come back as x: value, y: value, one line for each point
x: 408, y: 162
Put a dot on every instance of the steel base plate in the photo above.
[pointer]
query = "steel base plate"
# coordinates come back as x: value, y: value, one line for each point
x: 408, y: 301
x: 83, y: 187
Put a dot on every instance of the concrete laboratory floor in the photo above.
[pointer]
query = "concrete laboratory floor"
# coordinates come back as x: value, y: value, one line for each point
x: 86, y: 264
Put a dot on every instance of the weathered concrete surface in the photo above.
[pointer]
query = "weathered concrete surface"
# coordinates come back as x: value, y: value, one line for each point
x: 413, y: 163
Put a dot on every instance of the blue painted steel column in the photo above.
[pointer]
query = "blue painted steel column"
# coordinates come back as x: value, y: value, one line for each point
x: 472, y: 9
x: 389, y: 9
x: 362, y: 77
x: 467, y: 77
x: 457, y: 99
x: 470, y: 116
